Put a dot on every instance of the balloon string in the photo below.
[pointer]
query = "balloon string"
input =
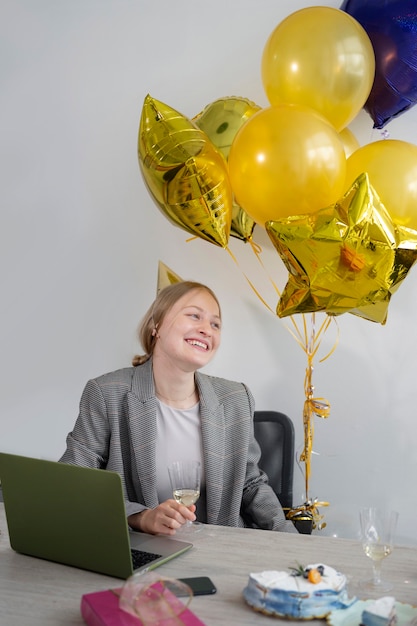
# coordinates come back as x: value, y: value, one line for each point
x: 313, y: 406
x: 309, y: 339
x: 330, y: 319
x: 250, y: 282
x: 257, y: 250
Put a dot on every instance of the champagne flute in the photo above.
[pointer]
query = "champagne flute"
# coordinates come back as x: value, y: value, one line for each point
x: 185, y: 482
x: 378, y: 529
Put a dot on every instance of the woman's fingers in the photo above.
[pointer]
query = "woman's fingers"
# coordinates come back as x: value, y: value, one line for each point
x: 166, y: 518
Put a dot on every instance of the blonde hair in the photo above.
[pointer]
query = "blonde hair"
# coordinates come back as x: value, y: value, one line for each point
x: 154, y: 317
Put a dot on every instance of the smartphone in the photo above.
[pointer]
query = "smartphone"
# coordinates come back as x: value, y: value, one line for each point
x: 200, y: 585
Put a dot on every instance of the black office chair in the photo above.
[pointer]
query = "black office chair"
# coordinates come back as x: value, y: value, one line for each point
x: 274, y: 431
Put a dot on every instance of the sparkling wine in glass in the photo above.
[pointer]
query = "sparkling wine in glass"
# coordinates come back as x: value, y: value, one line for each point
x: 378, y: 530
x: 185, y: 482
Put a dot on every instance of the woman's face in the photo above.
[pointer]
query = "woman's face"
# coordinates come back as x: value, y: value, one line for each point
x: 189, y: 334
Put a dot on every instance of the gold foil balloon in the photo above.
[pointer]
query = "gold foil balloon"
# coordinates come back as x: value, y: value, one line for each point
x: 391, y: 165
x: 286, y: 160
x: 221, y: 120
x: 243, y: 225
x: 320, y: 57
x: 185, y: 173
x: 346, y: 258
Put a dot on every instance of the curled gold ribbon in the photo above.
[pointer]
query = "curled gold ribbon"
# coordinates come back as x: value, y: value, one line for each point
x: 313, y: 406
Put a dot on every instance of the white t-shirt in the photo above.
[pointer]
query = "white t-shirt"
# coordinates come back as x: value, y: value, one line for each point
x: 178, y: 438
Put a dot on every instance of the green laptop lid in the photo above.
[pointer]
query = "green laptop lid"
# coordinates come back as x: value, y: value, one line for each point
x: 65, y: 513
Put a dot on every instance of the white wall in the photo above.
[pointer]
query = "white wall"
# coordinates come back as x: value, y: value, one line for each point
x: 81, y: 240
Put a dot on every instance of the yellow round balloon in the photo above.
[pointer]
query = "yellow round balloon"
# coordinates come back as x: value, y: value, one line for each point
x: 350, y: 143
x: 391, y: 165
x: 323, y: 58
x: 286, y: 160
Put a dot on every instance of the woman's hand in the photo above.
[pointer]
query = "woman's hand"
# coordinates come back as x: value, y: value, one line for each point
x: 165, y: 519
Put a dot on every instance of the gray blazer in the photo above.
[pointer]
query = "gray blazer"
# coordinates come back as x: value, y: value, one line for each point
x: 116, y: 430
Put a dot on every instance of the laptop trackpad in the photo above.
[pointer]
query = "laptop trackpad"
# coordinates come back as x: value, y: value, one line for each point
x: 156, y: 543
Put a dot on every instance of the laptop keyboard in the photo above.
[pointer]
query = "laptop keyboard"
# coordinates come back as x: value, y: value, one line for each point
x: 140, y: 558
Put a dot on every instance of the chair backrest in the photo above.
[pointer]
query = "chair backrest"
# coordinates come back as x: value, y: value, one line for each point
x: 274, y: 431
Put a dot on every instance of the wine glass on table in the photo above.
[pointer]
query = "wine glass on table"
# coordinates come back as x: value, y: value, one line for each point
x: 185, y: 479
x: 378, y: 530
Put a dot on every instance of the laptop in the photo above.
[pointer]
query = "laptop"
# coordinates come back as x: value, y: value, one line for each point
x: 76, y: 516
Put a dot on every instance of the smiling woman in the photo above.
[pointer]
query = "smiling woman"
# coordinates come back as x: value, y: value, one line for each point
x: 138, y: 420
x: 181, y: 331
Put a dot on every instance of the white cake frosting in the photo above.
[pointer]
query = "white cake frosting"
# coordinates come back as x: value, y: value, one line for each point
x: 380, y: 612
x: 285, y: 595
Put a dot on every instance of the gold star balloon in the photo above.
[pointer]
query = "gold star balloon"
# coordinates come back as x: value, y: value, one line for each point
x: 347, y: 258
x: 221, y: 120
x: 185, y: 173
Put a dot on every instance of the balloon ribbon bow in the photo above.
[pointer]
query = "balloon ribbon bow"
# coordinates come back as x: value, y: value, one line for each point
x: 309, y: 512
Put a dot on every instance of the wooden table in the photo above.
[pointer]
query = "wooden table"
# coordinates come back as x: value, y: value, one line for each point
x: 39, y: 593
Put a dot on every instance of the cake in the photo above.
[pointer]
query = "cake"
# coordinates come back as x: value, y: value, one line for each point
x: 304, y: 593
x: 380, y: 612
